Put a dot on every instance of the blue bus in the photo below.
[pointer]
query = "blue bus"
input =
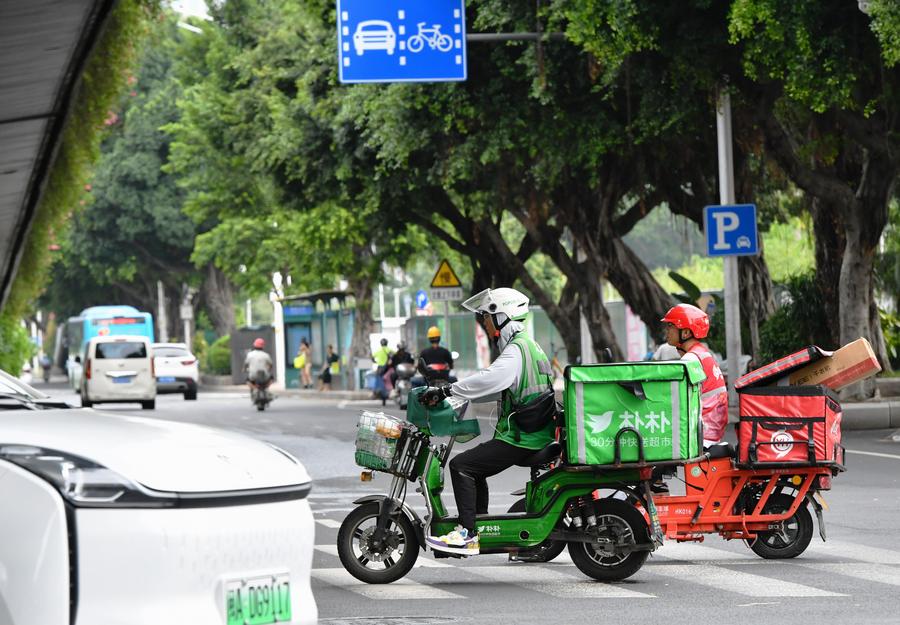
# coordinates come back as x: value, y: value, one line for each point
x: 101, y: 321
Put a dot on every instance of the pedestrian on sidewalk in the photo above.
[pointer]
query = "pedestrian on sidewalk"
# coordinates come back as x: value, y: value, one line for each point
x: 306, y: 371
x: 331, y: 367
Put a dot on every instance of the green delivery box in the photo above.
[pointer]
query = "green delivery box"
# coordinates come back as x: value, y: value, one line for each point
x: 661, y: 400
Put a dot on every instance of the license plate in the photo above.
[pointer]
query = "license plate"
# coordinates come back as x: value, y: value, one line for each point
x: 123, y: 380
x: 165, y: 379
x: 258, y: 600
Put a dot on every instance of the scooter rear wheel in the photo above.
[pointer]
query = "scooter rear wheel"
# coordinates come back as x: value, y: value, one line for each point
x: 790, y: 538
x: 544, y: 552
x: 618, y: 522
x: 370, y: 561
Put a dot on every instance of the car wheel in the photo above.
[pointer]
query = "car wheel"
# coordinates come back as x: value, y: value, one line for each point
x: 149, y: 405
x: 85, y: 402
x: 190, y: 395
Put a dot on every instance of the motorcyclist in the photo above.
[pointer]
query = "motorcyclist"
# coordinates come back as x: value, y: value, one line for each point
x: 258, y: 364
x: 399, y: 357
x: 520, y: 373
x: 438, y: 358
x: 685, y: 326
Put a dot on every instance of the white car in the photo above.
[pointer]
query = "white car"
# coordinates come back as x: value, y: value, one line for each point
x: 176, y: 369
x: 114, y: 520
x: 118, y: 369
x: 374, y: 35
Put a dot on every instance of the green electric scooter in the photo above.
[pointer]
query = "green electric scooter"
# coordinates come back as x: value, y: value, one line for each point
x: 604, y: 514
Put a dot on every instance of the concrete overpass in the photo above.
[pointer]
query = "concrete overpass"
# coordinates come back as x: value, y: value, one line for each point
x: 44, y: 45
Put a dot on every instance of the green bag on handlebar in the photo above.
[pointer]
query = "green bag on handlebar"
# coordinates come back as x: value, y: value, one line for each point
x: 440, y: 420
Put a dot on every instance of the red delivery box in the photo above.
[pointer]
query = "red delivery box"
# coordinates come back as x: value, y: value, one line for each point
x: 788, y: 425
x: 797, y: 425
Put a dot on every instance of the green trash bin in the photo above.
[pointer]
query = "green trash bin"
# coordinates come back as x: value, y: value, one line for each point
x: 660, y: 400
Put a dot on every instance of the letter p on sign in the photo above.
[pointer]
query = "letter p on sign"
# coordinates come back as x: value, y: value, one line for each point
x: 730, y: 230
x: 725, y: 222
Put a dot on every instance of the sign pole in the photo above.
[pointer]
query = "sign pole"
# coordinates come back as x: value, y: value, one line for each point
x: 732, y: 276
x: 447, y: 323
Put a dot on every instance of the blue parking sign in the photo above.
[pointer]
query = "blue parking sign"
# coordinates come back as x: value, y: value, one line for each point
x: 401, y: 40
x: 731, y: 230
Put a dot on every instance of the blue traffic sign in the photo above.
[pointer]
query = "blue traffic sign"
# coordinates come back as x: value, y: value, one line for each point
x: 421, y: 299
x: 731, y: 230
x: 401, y: 40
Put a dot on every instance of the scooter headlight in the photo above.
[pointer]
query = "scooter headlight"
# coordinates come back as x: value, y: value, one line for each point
x: 84, y: 483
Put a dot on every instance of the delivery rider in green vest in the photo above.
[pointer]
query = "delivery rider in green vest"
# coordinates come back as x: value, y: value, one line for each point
x: 520, y: 373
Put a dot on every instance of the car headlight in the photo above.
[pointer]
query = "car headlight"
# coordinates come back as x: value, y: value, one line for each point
x: 84, y: 483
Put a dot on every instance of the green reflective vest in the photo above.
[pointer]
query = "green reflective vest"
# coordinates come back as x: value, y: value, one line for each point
x: 382, y: 355
x: 534, y: 379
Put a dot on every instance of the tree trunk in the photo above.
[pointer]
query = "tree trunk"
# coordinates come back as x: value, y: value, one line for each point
x: 363, y: 323
x: 217, y: 297
x: 864, y: 224
x: 640, y: 290
x: 757, y: 299
x: 830, y: 241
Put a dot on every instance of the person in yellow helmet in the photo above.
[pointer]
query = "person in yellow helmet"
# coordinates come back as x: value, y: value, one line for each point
x: 438, y: 359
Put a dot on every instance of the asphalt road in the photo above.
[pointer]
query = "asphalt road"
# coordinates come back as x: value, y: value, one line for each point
x: 854, y: 577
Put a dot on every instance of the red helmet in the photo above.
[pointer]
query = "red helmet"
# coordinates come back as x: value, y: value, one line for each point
x: 687, y: 317
x: 259, y: 344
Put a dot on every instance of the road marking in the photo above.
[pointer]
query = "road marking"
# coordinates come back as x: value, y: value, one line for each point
x: 855, y: 551
x: 402, y: 589
x: 865, y: 571
x: 737, y: 581
x: 329, y: 523
x: 555, y: 583
x: 872, y: 453
x: 421, y: 562
x: 693, y: 552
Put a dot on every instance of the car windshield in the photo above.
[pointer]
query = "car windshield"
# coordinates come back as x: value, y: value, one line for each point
x: 170, y: 352
x: 13, y: 386
x: 123, y: 349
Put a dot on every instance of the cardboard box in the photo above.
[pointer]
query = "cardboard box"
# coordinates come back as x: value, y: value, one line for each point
x: 853, y: 362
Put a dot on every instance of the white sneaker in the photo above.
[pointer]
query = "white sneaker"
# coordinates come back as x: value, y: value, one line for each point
x: 457, y: 541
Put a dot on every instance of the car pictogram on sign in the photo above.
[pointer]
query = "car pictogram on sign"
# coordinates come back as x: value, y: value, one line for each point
x: 374, y: 35
x: 743, y: 242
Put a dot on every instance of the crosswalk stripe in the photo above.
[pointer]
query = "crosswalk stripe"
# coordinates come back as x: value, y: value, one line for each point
x: 421, y: 561
x: 402, y: 589
x: 329, y: 523
x: 555, y: 583
x: 737, y: 581
x: 854, y: 551
x: 691, y: 551
x: 860, y: 570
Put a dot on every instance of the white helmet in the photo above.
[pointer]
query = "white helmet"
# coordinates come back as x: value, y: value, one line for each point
x: 506, y: 301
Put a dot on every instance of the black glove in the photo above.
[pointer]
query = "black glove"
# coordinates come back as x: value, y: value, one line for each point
x: 435, y: 395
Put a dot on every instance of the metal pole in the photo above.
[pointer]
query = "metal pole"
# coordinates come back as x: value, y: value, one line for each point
x: 732, y: 276
x: 381, y: 304
x: 447, y: 324
x: 161, y: 312
x: 587, y: 346
x: 249, y: 313
x: 280, y: 382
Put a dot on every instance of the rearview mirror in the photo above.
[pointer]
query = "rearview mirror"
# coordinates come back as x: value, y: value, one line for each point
x: 454, y: 355
x: 78, y: 359
x: 422, y: 368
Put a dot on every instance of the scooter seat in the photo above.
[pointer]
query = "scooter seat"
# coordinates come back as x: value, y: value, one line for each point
x: 721, y: 450
x: 542, y: 456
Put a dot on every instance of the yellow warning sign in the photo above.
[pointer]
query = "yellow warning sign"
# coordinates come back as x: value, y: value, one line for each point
x: 445, y: 277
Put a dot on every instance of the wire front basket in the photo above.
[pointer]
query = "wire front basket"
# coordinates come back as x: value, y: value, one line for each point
x: 377, y: 435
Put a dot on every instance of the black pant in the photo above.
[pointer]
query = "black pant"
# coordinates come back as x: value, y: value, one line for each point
x: 469, y: 472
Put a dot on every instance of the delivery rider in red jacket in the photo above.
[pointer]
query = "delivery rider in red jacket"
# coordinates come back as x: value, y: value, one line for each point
x: 685, y: 325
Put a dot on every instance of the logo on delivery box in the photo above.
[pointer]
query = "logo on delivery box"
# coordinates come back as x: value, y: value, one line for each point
x: 651, y: 423
x: 782, y: 443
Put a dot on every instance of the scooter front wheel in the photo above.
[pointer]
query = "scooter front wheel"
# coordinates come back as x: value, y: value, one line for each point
x: 373, y: 559
x: 618, y: 523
